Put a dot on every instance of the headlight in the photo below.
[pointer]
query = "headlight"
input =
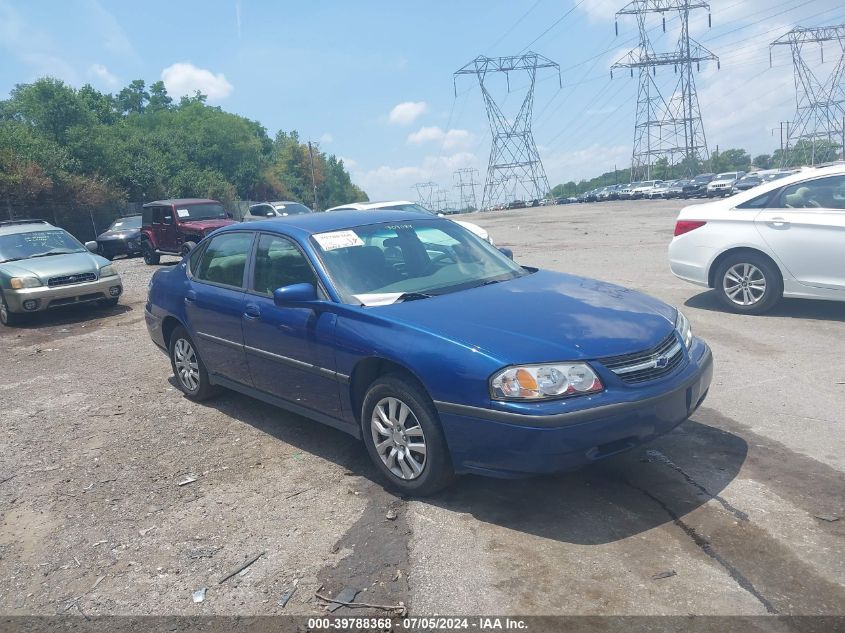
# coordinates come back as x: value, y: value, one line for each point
x: 17, y: 283
x: 542, y: 382
x: 107, y: 271
x: 684, y: 329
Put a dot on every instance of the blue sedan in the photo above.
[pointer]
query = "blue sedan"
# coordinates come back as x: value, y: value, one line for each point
x: 429, y: 344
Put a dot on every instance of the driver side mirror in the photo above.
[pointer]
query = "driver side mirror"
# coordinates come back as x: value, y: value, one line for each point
x: 506, y: 252
x: 91, y: 246
x: 295, y: 296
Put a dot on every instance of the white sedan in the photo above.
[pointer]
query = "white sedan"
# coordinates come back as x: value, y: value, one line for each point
x: 784, y: 238
x: 405, y: 205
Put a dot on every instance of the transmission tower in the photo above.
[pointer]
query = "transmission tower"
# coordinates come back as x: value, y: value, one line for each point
x: 425, y: 194
x: 513, y: 155
x: 670, y: 129
x: 465, y: 182
x: 820, y: 101
x: 441, y: 201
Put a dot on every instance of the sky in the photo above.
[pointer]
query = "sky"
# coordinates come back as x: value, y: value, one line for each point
x: 372, y: 81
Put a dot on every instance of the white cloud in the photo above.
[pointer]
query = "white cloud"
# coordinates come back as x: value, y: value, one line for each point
x: 451, y: 140
x: 34, y: 48
x: 102, y: 75
x: 183, y: 78
x: 407, y: 112
x: 114, y: 37
x: 326, y: 138
x: 392, y: 183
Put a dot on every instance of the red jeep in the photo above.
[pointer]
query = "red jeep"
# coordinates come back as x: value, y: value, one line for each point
x: 173, y: 227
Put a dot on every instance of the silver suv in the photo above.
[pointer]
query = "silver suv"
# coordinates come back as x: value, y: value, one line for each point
x: 44, y: 267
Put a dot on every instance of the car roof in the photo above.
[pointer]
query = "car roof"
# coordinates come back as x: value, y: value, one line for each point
x: 368, y: 206
x: 181, y: 201
x: 11, y: 227
x: 310, y: 223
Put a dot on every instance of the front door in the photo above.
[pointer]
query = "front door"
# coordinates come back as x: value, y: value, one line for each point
x: 805, y: 227
x: 167, y: 229
x: 214, y: 304
x: 289, y: 350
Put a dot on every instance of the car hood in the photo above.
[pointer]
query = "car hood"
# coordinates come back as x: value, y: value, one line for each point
x: 208, y: 225
x: 727, y: 181
x: 119, y: 235
x: 542, y: 317
x: 55, y: 265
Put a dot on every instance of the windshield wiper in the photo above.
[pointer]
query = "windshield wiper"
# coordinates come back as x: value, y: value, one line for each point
x: 411, y: 296
x: 63, y: 252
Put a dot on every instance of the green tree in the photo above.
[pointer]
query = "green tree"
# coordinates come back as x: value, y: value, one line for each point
x: 133, y: 98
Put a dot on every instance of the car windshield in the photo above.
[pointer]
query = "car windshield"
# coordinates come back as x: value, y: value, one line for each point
x: 291, y: 208
x: 703, y: 178
x: 390, y: 262
x: 202, y: 211
x: 126, y: 224
x: 408, y: 207
x: 37, y: 244
x: 730, y: 175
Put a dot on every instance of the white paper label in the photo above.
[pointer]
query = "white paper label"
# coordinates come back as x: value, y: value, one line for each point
x: 338, y: 239
x: 183, y: 213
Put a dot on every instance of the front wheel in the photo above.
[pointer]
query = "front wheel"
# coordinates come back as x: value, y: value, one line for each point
x: 7, y: 317
x: 404, y: 438
x: 187, y: 247
x: 748, y: 283
x: 191, y: 374
x: 151, y: 258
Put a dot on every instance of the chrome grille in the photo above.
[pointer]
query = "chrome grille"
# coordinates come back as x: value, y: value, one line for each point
x: 66, y: 280
x: 650, y: 364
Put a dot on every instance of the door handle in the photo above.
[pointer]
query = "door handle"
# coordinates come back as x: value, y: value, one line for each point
x: 779, y: 223
x: 190, y: 296
x: 252, y: 312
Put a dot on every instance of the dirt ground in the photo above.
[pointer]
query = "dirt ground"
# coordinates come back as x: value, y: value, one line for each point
x: 741, y: 510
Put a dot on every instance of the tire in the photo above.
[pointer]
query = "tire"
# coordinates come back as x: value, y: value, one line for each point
x: 191, y: 376
x: 187, y: 247
x: 7, y: 318
x: 151, y: 258
x: 748, y: 283
x: 102, y: 253
x: 109, y: 303
x: 409, y: 472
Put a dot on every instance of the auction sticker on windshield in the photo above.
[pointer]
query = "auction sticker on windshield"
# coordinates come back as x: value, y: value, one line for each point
x: 338, y: 239
x: 183, y: 213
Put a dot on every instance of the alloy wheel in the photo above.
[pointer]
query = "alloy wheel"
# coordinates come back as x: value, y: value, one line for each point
x: 187, y: 366
x: 744, y: 284
x: 398, y: 438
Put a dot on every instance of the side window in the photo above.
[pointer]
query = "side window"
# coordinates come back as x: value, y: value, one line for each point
x: 224, y: 259
x: 279, y: 263
x: 156, y: 215
x: 760, y: 202
x: 194, y: 260
x: 167, y: 215
x: 822, y: 193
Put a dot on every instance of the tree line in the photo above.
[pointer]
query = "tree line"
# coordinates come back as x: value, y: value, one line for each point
x: 74, y: 150
x: 803, y: 153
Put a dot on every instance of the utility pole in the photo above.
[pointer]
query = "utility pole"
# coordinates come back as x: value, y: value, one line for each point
x: 513, y: 154
x: 819, y: 100
x: 425, y: 194
x: 313, y: 180
x: 666, y: 128
x: 465, y: 182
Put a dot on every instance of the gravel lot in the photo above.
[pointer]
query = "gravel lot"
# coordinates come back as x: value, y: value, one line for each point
x: 729, y: 514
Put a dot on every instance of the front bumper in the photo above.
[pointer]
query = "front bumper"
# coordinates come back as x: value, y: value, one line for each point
x: 45, y: 297
x: 512, y: 445
x: 119, y: 246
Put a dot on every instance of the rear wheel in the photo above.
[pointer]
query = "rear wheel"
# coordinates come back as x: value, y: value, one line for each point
x: 188, y: 368
x: 748, y: 283
x: 404, y: 438
x: 8, y: 317
x: 151, y: 258
x: 187, y: 247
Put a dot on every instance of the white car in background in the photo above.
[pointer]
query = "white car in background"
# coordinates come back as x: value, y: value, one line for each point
x: 643, y: 189
x: 406, y: 205
x: 723, y: 184
x: 784, y: 238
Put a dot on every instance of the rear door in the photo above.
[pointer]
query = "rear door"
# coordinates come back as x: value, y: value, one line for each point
x: 290, y: 351
x: 804, y: 225
x: 214, y: 304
